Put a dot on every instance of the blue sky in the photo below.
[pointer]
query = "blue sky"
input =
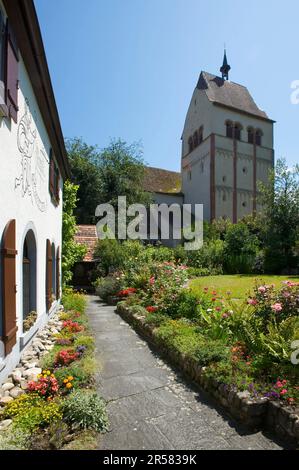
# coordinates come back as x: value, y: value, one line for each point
x: 127, y: 68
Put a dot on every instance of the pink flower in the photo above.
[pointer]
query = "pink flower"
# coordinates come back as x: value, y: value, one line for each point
x: 276, y: 307
x: 252, y: 301
x: 262, y: 289
x: 284, y: 391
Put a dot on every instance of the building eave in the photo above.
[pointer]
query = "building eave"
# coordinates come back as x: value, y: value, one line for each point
x: 23, y: 19
x: 232, y: 108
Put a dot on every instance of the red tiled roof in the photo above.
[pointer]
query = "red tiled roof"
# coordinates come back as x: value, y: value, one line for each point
x: 87, y: 235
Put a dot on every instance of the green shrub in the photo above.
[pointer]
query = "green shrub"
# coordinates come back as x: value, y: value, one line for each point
x: 30, y: 412
x: 155, y: 319
x: 72, y: 300
x: 15, y: 439
x: 212, y: 351
x: 209, y: 257
x: 87, y: 341
x: 86, y: 410
x: 110, y: 254
x: 107, y: 286
x: 82, y: 371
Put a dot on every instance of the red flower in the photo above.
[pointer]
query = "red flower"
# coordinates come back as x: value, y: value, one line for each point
x: 72, y: 326
x: 65, y: 357
x: 45, y: 386
x: 126, y: 292
x: 151, y: 309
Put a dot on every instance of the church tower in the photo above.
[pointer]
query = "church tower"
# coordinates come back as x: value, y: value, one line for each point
x: 227, y: 147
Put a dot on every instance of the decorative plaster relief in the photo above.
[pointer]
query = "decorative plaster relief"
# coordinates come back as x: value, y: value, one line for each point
x: 34, y: 161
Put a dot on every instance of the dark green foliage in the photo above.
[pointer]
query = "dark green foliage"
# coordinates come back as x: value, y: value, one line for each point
x: 72, y: 252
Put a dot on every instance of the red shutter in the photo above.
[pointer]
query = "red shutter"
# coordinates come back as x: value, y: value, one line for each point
x: 12, y: 74
x: 58, y: 274
x: 49, y: 275
x: 9, y: 287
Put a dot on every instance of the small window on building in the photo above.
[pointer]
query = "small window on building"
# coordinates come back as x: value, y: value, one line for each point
x: 202, y: 167
x: 224, y: 197
x: 224, y: 179
x: 250, y: 133
x: 189, y: 175
x: 237, y: 131
x: 200, y: 135
x: 29, y: 275
x: 258, y: 137
x: 190, y: 144
x: 244, y: 204
x: 229, y: 129
x: 195, y: 139
x: 245, y: 170
x: 54, y: 179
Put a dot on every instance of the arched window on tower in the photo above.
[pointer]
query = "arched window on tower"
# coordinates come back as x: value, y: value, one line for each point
x: 250, y: 133
x: 229, y: 129
x: 237, y: 131
x: 190, y: 144
x: 258, y: 137
x: 195, y: 139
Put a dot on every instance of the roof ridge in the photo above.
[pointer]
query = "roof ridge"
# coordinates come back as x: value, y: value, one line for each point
x: 228, y: 81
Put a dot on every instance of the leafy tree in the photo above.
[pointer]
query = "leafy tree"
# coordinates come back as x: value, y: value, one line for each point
x: 72, y: 252
x: 121, y: 168
x: 83, y: 160
x: 280, y: 218
x: 102, y: 176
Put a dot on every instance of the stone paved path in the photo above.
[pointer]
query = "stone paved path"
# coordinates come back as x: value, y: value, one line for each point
x: 150, y: 405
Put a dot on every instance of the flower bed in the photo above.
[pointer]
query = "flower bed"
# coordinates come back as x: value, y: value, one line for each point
x: 240, y: 352
x: 40, y: 416
x: 255, y: 412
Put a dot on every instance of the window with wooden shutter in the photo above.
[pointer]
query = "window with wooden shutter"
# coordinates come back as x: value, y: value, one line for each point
x: 51, y: 174
x: 48, y: 275
x: 58, y: 274
x: 54, y: 177
x: 9, y: 287
x: 57, y: 178
x: 12, y: 73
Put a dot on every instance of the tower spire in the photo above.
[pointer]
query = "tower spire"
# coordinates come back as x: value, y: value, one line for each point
x: 225, y: 67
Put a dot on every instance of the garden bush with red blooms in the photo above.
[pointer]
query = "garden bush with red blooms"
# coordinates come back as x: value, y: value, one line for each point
x: 151, y: 309
x: 66, y: 357
x: 127, y: 292
x: 72, y: 326
x: 280, y: 304
x: 47, y: 385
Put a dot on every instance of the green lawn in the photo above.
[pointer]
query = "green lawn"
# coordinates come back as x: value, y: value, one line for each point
x: 239, y: 285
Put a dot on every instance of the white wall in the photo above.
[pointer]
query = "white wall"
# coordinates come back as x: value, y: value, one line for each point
x: 24, y: 196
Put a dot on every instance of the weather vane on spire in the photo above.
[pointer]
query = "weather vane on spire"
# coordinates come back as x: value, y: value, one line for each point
x: 225, y: 67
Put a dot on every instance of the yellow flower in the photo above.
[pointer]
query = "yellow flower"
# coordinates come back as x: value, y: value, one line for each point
x: 68, y: 385
x: 44, y: 371
x: 45, y: 376
x: 70, y: 378
x: 48, y: 372
x: 65, y: 381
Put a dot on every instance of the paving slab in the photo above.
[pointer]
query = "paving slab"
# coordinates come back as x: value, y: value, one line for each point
x: 150, y: 405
